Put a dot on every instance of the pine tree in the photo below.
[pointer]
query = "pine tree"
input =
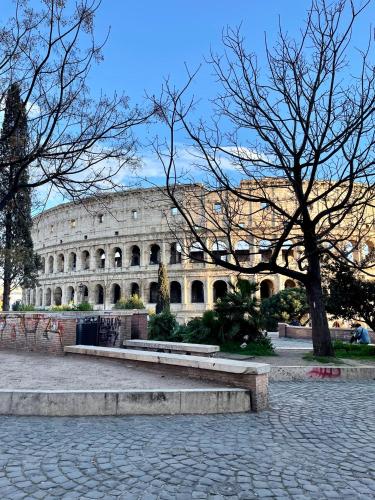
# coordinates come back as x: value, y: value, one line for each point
x: 17, y: 258
x: 163, y: 300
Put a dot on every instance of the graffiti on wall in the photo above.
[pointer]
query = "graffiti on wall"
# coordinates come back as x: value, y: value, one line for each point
x: 319, y: 372
x: 54, y: 327
x: 108, y: 330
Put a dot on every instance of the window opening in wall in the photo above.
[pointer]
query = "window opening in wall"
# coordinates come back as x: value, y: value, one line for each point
x: 99, y: 295
x: 134, y: 214
x: 219, y: 250
x: 196, y: 252
x: 242, y: 251
x: 52, y: 228
x: 155, y: 254
x: 48, y: 299
x: 85, y: 237
x: 70, y: 294
x: 85, y: 260
x: 72, y: 261
x: 116, y: 293
x: 118, y: 257
x: 217, y: 207
x: 197, y: 292
x: 73, y: 223
x: 134, y: 289
x: 220, y: 288
x: 83, y: 292
x: 265, y: 250
x: 266, y: 289
x: 57, y: 296
x: 60, y: 263
x: 135, y: 256
x: 116, y: 233
x: 153, y: 292
x: 100, y: 218
x: 289, y: 284
x: 50, y: 264
x: 100, y: 258
x: 174, y: 211
x: 175, y: 253
x: 175, y: 292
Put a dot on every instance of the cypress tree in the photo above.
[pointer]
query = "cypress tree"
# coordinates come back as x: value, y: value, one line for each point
x: 163, y: 300
x: 17, y: 258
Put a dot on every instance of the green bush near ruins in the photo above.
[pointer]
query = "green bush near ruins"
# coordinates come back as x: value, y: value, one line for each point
x: 284, y: 306
x: 133, y: 302
x: 344, y: 350
x: 19, y: 306
x: 234, y: 324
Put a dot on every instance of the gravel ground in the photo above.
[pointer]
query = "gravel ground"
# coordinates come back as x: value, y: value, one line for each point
x: 37, y: 371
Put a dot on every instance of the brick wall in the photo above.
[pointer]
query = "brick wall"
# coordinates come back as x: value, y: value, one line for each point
x: 50, y: 332
x: 39, y: 332
x: 304, y: 332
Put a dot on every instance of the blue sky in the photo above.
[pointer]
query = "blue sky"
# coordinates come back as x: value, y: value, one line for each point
x: 151, y: 40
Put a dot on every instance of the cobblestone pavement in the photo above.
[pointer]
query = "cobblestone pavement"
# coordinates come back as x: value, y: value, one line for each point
x: 316, y: 442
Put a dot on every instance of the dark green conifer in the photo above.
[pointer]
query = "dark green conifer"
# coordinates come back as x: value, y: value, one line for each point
x: 163, y: 300
x: 18, y: 261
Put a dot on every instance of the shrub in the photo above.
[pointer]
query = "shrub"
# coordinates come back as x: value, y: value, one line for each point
x: 262, y: 346
x: 204, y: 330
x: 84, y: 306
x: 18, y: 306
x: 133, y: 302
x: 283, y: 307
x: 163, y: 326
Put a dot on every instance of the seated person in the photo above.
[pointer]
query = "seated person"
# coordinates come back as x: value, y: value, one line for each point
x: 360, y: 335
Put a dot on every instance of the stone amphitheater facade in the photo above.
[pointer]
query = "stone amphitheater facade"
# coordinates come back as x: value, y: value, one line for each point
x: 110, y: 246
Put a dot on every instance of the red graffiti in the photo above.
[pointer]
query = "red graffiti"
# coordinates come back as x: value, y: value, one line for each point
x: 318, y: 372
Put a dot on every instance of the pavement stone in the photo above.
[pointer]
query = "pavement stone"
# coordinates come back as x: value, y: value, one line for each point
x: 316, y: 441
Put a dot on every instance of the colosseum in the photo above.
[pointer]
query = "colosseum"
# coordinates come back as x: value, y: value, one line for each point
x: 109, y: 248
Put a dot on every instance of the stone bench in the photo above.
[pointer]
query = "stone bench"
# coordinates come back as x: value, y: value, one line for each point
x: 243, y: 374
x: 173, y: 347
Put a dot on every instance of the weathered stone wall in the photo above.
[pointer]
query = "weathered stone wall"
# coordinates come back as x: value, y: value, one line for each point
x: 304, y: 332
x: 50, y: 332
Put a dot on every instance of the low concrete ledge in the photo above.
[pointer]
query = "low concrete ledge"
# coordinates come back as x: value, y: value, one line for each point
x: 243, y: 374
x: 339, y: 373
x: 155, y: 345
x: 54, y: 403
x: 216, y: 364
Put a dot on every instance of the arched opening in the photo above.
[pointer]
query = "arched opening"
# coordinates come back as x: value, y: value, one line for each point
x: 135, y: 256
x: 57, y: 296
x: 196, y: 252
x: 197, y: 292
x: 265, y: 250
x: 290, y: 284
x: 175, y: 253
x: 60, y: 263
x: 100, y: 258
x: 242, y: 251
x: 219, y: 250
x: 50, y: 264
x: 154, y: 287
x: 48, y: 297
x: 134, y: 289
x: 286, y: 251
x: 84, y: 293
x: 175, y: 292
x: 72, y: 261
x: 43, y: 265
x: 70, y: 294
x: 154, y: 254
x: 220, y: 288
x: 85, y: 258
x: 117, y: 257
x: 40, y: 297
x: 266, y: 289
x: 349, y: 251
x: 99, y: 295
x: 115, y: 293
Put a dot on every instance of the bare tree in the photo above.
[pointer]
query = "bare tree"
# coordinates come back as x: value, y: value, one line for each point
x: 77, y: 143
x: 286, y: 166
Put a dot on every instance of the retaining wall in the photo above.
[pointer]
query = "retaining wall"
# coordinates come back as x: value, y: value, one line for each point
x: 304, y: 332
x: 49, y: 332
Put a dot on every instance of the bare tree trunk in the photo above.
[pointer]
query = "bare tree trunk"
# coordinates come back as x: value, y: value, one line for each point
x: 7, y: 276
x: 321, y: 335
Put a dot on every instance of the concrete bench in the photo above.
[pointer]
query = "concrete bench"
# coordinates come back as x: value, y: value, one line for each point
x: 243, y: 374
x: 173, y: 347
